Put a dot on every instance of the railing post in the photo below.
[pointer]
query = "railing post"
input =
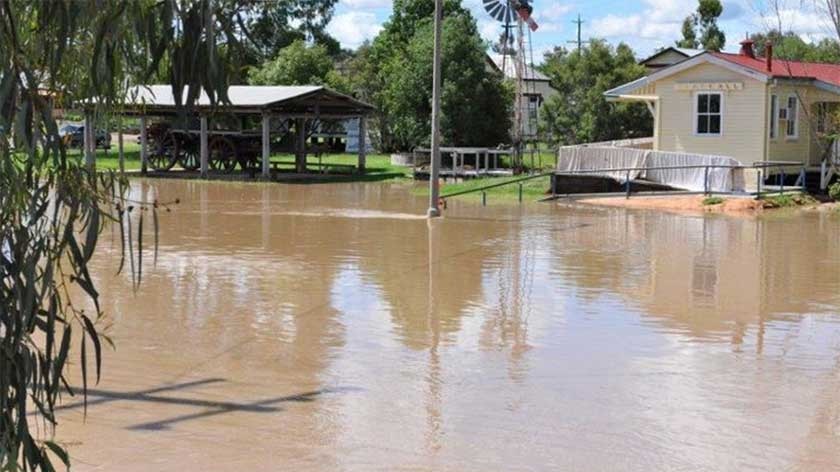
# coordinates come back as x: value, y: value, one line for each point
x: 483, y: 198
x: 627, y: 183
x: 782, y: 184
x: 706, y: 181
x: 553, y: 185
x: 520, y: 193
x: 758, y: 185
x: 802, y: 178
x: 823, y: 183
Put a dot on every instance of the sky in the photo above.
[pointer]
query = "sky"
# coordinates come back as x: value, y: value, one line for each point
x: 645, y: 25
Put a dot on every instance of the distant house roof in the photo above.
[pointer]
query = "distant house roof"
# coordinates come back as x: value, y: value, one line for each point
x: 251, y: 99
x: 509, y: 63
x: 653, y: 62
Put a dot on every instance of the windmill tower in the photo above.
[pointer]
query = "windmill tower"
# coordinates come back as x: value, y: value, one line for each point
x: 514, y: 15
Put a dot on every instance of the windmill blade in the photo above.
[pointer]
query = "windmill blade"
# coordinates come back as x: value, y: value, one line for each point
x: 500, y: 10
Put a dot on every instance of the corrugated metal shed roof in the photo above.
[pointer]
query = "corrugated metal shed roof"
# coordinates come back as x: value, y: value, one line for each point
x: 252, y: 98
x: 239, y: 95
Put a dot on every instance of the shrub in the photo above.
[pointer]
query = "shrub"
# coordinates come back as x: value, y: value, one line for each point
x: 834, y: 191
x: 712, y: 201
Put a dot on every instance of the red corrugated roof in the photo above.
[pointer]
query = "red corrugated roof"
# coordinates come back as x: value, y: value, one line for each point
x: 804, y: 70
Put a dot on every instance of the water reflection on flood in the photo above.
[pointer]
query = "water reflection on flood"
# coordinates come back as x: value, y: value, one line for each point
x: 327, y: 327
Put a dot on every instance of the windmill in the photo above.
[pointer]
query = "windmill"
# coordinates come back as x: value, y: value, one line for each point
x: 514, y: 15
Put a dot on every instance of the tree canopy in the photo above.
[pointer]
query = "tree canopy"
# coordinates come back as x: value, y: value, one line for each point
x: 298, y: 64
x: 579, y: 113
x: 792, y: 47
x: 394, y: 74
x: 700, y: 29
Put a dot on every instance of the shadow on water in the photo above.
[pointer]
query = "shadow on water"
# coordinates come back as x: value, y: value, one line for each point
x: 209, y: 407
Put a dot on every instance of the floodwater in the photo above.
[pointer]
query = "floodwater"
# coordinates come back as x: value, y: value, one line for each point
x: 330, y: 328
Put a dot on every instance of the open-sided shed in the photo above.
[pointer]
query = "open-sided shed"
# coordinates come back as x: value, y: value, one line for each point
x: 292, y: 105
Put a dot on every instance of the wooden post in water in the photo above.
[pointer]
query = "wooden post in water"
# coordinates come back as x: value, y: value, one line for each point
x: 120, y: 148
x: 362, y: 142
x: 266, y: 145
x: 144, y: 146
x: 300, y: 145
x: 89, y: 138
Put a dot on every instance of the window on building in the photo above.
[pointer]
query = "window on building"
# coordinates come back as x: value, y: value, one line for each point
x: 709, y: 113
x: 792, y: 130
x: 774, y: 115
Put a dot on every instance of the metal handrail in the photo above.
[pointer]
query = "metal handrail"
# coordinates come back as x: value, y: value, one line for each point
x: 499, y: 184
x: 758, y: 164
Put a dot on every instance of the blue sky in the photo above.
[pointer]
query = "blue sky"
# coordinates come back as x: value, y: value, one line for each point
x: 644, y: 24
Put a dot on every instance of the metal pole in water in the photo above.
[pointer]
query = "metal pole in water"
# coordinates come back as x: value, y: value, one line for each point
x: 520, y: 193
x: 483, y: 198
x: 434, y: 185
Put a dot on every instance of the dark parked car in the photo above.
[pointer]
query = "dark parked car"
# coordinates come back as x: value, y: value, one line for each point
x: 74, y: 136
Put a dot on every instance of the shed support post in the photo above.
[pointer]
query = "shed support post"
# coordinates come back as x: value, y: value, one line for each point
x: 144, y: 145
x: 300, y: 146
x: 362, y: 143
x: 120, y: 149
x: 89, y: 143
x: 204, y: 148
x: 266, y: 145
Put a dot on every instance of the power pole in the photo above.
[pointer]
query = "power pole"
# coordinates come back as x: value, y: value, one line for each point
x: 434, y: 185
x: 579, y: 42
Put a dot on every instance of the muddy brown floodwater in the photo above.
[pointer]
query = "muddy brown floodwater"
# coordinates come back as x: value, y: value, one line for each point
x: 331, y: 328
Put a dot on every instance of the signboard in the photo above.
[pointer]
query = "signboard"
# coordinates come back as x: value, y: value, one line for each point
x: 722, y: 86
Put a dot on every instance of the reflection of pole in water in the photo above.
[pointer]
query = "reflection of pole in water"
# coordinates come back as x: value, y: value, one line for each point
x: 433, y: 402
x: 265, y: 216
x: 202, y: 199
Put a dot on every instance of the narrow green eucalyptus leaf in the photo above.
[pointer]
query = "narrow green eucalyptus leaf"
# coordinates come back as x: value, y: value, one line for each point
x: 59, y: 451
x: 97, y: 347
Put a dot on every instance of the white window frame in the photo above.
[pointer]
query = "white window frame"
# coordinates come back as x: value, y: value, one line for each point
x: 774, y: 116
x: 792, y: 118
x: 696, y: 114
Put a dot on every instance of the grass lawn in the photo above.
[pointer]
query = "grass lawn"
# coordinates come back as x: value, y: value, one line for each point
x: 379, y: 169
x: 379, y: 166
x: 533, y: 189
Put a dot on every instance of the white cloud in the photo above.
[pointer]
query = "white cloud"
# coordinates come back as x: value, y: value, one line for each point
x: 489, y: 29
x: 352, y: 28
x: 553, y: 12
x: 612, y: 26
x: 356, y: 4
x: 550, y: 27
x: 805, y: 23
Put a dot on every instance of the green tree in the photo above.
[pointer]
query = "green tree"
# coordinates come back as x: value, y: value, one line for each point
x: 579, y: 113
x: 791, y: 46
x: 296, y: 64
x: 689, y: 39
x: 274, y: 25
x: 394, y: 74
x: 66, y: 53
x: 704, y: 22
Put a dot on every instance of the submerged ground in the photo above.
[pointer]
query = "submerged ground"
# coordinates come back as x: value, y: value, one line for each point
x: 332, y: 327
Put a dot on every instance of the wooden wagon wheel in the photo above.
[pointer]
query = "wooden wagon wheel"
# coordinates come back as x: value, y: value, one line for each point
x: 163, y: 155
x: 189, y: 155
x: 222, y: 154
